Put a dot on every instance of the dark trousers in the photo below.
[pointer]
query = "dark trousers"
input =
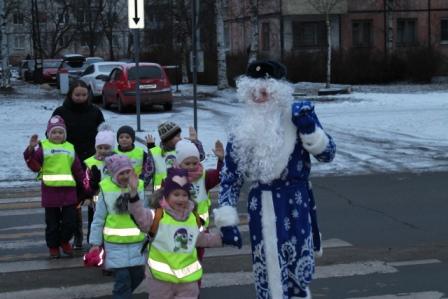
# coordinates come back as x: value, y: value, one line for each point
x: 78, y: 233
x: 90, y: 213
x: 127, y: 280
x: 61, y: 223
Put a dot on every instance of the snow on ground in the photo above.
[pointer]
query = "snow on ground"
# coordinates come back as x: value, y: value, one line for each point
x: 377, y: 129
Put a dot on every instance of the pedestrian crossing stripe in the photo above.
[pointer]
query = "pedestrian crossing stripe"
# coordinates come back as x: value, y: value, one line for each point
x: 209, y: 280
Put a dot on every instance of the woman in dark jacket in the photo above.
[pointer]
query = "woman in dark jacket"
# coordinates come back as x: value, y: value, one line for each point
x: 82, y: 119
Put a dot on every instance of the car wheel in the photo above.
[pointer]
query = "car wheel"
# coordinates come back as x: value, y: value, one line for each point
x: 168, y: 106
x: 121, y: 107
x: 105, y: 103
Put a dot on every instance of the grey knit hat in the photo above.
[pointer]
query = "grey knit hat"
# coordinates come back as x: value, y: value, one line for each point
x: 168, y: 130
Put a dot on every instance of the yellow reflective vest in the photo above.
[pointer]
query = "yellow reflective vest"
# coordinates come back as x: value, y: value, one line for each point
x: 57, y: 164
x: 172, y: 255
x: 136, y: 156
x: 162, y: 161
x: 201, y: 197
x: 119, y: 228
x: 98, y: 163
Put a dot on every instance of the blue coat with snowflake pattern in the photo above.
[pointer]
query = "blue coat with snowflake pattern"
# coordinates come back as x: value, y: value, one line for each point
x: 283, y: 255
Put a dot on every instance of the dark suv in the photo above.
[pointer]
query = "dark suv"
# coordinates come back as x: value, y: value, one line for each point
x: 73, y: 64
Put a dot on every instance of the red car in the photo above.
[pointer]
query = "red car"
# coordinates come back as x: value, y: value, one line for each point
x: 50, y: 69
x: 120, y: 85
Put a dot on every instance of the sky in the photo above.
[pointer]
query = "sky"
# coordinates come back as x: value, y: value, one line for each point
x: 394, y: 128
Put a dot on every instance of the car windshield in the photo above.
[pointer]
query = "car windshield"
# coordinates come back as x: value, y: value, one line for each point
x: 73, y: 64
x: 107, y: 68
x: 93, y: 60
x: 145, y: 72
x: 51, y: 64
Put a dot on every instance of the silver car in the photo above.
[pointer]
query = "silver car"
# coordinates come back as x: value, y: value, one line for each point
x: 90, y: 74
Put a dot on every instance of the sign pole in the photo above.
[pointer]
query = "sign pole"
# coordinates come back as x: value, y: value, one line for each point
x: 136, y: 22
x: 137, y: 85
x: 195, y: 66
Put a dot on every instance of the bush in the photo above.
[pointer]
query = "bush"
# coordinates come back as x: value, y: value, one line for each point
x: 365, y: 66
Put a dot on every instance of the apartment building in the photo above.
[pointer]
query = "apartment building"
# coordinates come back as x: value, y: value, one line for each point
x: 287, y: 26
x: 65, y: 30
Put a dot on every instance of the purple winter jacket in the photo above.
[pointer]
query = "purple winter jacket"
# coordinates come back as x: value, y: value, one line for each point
x: 53, y: 197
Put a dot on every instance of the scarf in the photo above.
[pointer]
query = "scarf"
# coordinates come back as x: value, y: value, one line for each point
x: 194, y: 175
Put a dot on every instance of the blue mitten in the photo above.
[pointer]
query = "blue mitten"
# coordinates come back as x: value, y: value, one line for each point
x: 302, y: 117
x: 231, y: 236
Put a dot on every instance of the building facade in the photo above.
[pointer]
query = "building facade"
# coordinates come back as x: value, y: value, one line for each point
x: 288, y: 26
x: 62, y: 30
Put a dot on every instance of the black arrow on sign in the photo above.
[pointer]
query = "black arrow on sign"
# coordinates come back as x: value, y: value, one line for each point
x: 136, y: 18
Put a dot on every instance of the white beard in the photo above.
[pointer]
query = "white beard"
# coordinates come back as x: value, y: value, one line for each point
x: 264, y: 136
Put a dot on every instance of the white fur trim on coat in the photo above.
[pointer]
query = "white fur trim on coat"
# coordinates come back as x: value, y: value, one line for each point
x: 226, y: 216
x: 316, y: 142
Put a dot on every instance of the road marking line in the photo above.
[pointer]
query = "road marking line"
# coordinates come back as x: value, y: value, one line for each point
x: 20, y: 199
x: 21, y: 212
x: 22, y: 244
x: 420, y: 295
x: 209, y: 280
x: 352, y: 269
x: 246, y: 249
x: 414, y: 263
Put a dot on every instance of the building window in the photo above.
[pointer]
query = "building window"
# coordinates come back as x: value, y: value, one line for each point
x: 406, y: 32
x: 19, y: 42
x: 362, y: 33
x: 309, y: 34
x: 265, y: 36
x: 17, y: 18
x: 444, y: 30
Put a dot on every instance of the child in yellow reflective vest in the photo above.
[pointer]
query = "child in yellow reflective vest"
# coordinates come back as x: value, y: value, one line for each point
x: 104, y: 146
x: 114, y: 228
x: 126, y: 147
x: 202, y: 181
x: 162, y: 157
x: 174, y: 268
x: 60, y: 172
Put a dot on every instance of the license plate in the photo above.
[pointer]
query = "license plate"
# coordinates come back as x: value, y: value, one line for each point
x: 148, y: 86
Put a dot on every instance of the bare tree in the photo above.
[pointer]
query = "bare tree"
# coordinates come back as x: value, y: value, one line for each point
x: 221, y: 46
x: 253, y: 47
x: 89, y: 15
x: 389, y: 7
x: 326, y: 7
x: 111, y: 20
x: 56, y: 31
x: 6, y: 7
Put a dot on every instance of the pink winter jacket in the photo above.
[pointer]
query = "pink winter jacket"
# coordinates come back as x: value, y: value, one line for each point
x: 53, y: 197
x: 144, y: 218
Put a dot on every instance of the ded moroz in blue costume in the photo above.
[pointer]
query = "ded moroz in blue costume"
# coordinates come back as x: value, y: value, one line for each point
x: 269, y: 148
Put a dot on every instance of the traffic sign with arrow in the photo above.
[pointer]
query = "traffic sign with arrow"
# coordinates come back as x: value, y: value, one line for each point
x: 136, y: 14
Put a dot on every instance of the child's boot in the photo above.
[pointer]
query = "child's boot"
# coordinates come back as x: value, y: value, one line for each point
x: 67, y: 248
x: 54, y: 252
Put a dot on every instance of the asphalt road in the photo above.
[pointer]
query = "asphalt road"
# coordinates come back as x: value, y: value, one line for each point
x: 385, y: 236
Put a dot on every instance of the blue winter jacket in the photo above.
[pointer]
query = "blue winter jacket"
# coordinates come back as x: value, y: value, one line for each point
x: 117, y: 255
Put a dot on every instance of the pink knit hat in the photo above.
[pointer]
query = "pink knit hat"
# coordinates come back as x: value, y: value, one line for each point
x: 116, y: 164
x: 56, y: 122
x: 177, y: 178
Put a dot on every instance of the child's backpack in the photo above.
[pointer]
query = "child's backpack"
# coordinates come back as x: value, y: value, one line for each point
x: 155, y: 226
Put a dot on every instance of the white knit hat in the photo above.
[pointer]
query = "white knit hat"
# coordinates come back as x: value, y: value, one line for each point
x: 185, y: 149
x: 105, y: 135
